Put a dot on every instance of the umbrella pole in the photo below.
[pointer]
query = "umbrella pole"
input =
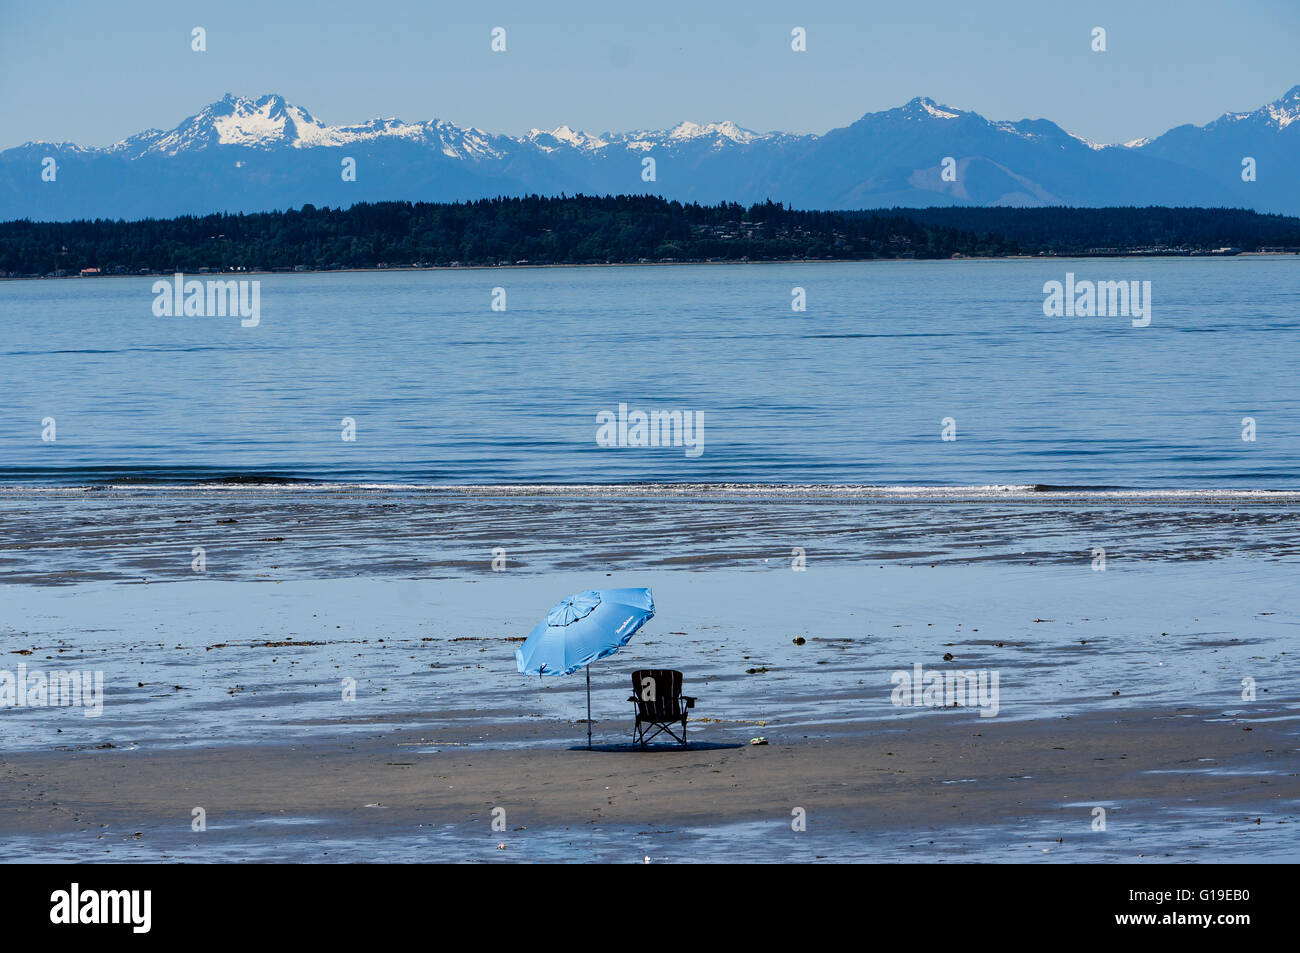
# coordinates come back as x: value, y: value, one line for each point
x: 588, y: 707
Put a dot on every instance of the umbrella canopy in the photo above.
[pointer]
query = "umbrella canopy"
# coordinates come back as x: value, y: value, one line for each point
x: 582, y: 628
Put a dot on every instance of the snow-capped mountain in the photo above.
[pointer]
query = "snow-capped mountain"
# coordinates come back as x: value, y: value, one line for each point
x: 1270, y: 136
x: 244, y: 154
x: 1276, y: 115
x: 716, y: 135
x: 262, y: 123
x: 561, y: 137
x: 272, y: 123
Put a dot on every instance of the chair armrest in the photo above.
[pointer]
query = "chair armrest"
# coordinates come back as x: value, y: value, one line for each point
x: 690, y: 701
x: 632, y: 698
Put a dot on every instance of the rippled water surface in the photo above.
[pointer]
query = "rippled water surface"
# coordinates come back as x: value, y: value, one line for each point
x: 445, y: 390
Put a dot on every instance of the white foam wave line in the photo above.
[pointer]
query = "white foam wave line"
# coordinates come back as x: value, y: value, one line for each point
x: 978, y: 492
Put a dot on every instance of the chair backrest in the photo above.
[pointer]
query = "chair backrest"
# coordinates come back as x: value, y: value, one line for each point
x: 658, y: 693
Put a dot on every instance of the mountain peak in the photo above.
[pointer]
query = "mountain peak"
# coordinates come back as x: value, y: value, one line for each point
x: 725, y: 130
x: 1284, y: 110
x: 918, y: 109
x: 1279, y: 114
x: 548, y: 140
x: 923, y: 106
x: 272, y: 102
x: 265, y: 122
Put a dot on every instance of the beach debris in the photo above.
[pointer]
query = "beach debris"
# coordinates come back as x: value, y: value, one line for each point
x: 425, y: 744
x: 646, y: 859
x: 799, y: 640
x: 760, y: 740
x: 947, y: 656
x: 757, y: 671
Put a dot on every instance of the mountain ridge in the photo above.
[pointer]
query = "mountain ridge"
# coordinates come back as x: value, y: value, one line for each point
x: 892, y: 157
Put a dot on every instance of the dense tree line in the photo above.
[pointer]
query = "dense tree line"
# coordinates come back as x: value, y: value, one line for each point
x: 588, y: 229
x: 1064, y: 231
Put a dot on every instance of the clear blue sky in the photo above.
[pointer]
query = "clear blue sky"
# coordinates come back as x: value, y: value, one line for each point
x: 95, y: 72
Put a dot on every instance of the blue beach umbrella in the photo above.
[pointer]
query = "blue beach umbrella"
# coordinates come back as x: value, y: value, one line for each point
x: 582, y: 628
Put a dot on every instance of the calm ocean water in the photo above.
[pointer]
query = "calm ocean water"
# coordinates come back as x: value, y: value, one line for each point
x: 854, y: 390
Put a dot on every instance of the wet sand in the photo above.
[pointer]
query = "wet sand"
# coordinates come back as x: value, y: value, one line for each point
x: 67, y: 536
x: 931, y: 784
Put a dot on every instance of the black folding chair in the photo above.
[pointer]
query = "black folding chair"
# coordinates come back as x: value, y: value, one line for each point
x: 659, y: 703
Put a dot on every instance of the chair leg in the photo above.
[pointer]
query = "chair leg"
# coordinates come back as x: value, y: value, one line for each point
x: 645, y: 732
x: 667, y: 728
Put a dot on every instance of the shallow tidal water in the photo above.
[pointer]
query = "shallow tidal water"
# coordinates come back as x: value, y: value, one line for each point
x: 211, y: 662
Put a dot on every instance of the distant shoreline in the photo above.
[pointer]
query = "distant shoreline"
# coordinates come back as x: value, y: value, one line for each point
x: 668, y: 264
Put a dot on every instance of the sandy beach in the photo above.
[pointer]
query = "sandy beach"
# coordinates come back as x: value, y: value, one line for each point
x: 1184, y: 785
